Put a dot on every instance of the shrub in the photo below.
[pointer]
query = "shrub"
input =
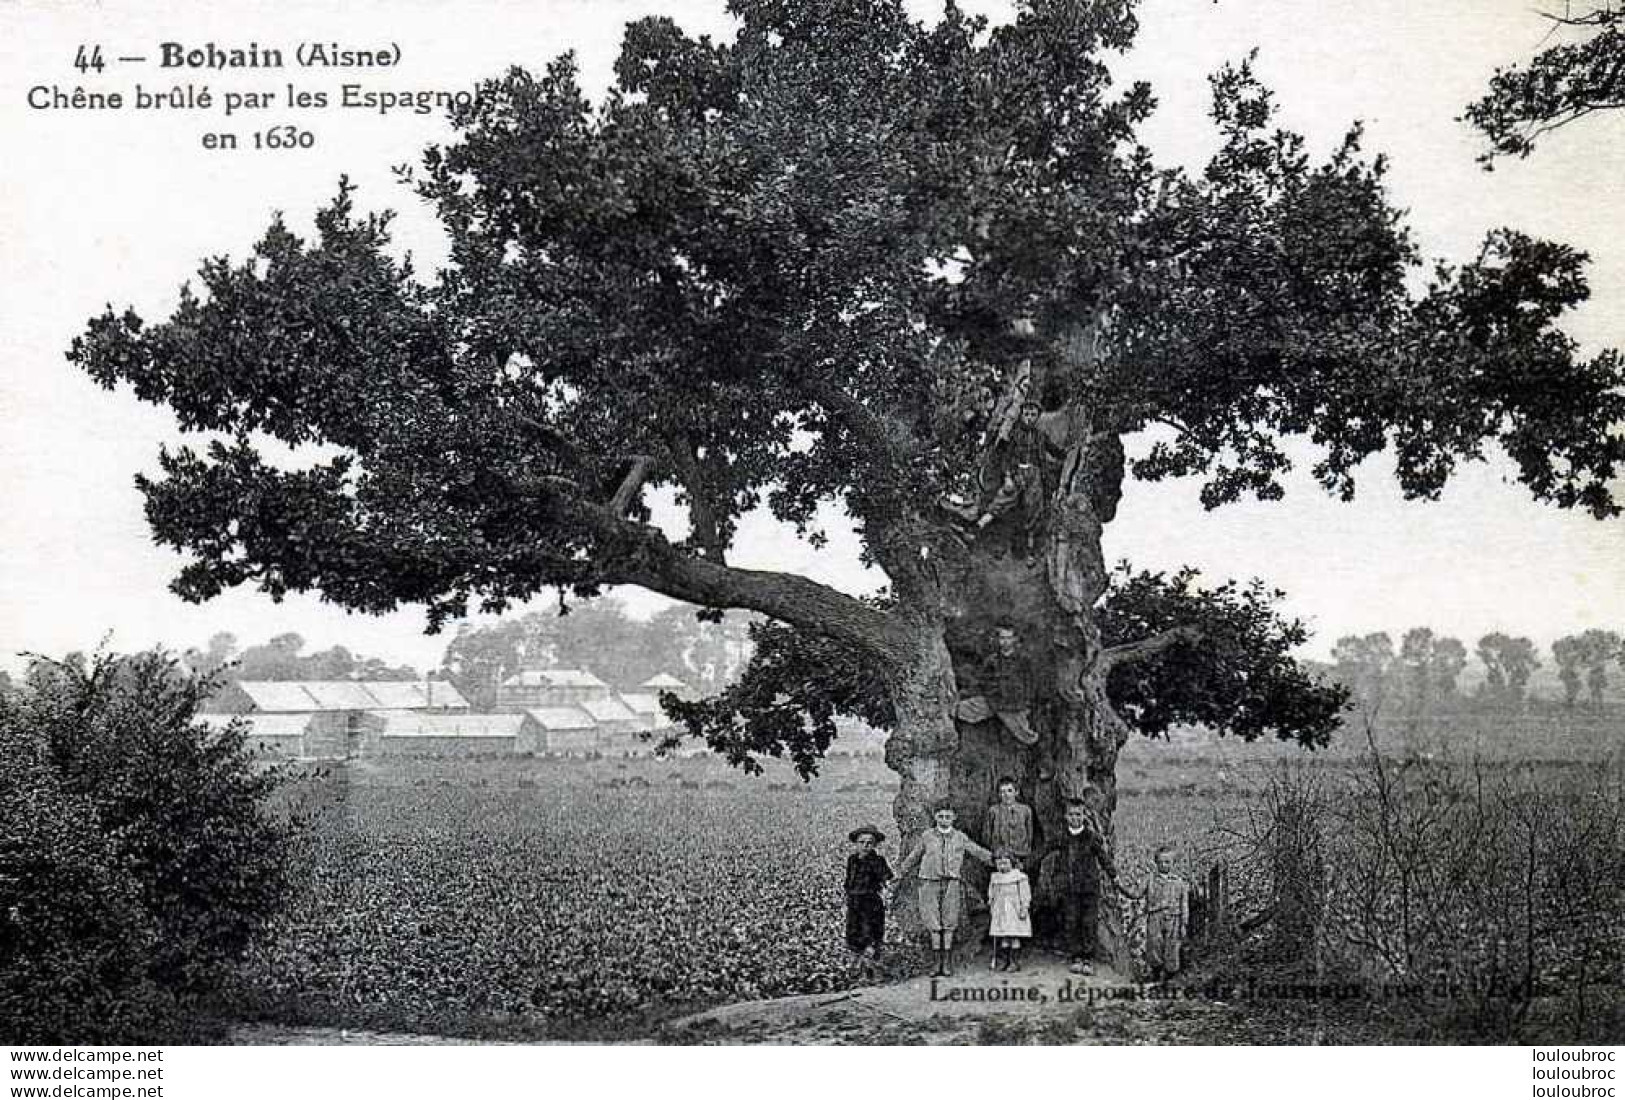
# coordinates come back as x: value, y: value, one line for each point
x: 1489, y: 901
x: 74, y: 936
x: 136, y: 856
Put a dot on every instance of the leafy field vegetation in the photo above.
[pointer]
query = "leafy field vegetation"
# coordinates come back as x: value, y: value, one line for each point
x: 530, y: 899
x: 533, y: 898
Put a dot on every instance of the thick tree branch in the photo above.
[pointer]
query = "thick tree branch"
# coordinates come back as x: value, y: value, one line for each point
x: 1128, y: 652
x: 704, y: 530
x: 642, y: 466
x: 634, y: 553
x: 559, y: 444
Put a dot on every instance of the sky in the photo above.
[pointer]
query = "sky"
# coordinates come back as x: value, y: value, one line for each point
x: 119, y: 206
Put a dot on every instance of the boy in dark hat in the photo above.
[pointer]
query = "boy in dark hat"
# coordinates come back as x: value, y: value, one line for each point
x: 867, y: 873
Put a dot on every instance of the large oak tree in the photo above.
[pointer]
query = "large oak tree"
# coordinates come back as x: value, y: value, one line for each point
x: 827, y: 261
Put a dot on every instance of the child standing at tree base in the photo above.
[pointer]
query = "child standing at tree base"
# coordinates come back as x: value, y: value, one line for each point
x: 1167, y: 914
x: 1010, y: 824
x: 1009, y: 898
x: 1071, y: 873
x: 867, y: 873
x: 938, y: 857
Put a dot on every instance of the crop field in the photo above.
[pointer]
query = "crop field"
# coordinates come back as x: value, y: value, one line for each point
x: 529, y: 898
x: 533, y: 898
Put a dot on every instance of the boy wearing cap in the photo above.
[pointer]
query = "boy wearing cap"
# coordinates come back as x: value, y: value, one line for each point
x: 867, y: 873
x: 938, y: 858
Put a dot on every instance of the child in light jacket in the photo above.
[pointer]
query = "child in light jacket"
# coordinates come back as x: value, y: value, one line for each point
x: 938, y: 858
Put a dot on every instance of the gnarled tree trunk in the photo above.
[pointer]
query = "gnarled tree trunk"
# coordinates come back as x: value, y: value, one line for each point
x: 1043, y: 579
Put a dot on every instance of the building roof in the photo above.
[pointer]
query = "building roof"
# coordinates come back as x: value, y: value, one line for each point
x: 554, y: 677
x: 278, y: 695
x: 339, y: 694
x: 663, y: 682
x: 642, y: 702
x: 453, y: 725
x: 263, y: 725
x: 609, y: 709
x: 291, y: 696
x: 414, y: 694
x: 562, y: 718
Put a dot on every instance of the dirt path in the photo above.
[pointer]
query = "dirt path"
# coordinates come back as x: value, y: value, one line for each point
x: 1042, y: 1003
x: 276, y: 1035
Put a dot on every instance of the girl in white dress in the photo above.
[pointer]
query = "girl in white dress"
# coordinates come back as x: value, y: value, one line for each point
x: 1009, y: 897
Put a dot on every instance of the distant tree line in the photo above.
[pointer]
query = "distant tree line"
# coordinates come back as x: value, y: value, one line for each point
x: 602, y: 638
x: 284, y: 658
x: 1423, y: 672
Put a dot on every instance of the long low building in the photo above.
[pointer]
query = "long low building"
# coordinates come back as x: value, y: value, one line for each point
x: 277, y: 734
x: 414, y: 734
x: 565, y: 731
x: 576, y: 714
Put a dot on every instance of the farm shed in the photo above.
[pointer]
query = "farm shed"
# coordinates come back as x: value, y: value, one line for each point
x: 549, y: 687
x: 618, y: 727
x: 611, y: 714
x: 273, y: 734
x: 421, y: 734
x: 646, y: 705
x: 340, y: 715
x: 429, y: 695
x: 565, y: 731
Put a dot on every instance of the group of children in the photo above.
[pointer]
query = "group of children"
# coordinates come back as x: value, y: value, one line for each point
x: 1071, y: 865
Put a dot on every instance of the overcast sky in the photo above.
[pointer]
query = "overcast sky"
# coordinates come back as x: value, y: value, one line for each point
x: 119, y: 206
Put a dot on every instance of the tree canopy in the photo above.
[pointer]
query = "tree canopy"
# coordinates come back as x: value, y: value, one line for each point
x: 284, y: 658
x: 1579, y: 75
x: 799, y: 268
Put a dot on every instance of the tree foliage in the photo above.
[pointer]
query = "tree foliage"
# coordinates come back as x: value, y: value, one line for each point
x: 1429, y: 665
x: 1364, y: 664
x: 75, y: 937
x: 790, y: 270
x: 1580, y: 75
x: 284, y: 658
x: 1508, y: 662
x: 1231, y: 671
x: 1583, y: 660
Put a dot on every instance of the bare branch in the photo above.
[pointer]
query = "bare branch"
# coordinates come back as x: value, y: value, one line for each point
x: 1112, y: 656
x: 642, y: 467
